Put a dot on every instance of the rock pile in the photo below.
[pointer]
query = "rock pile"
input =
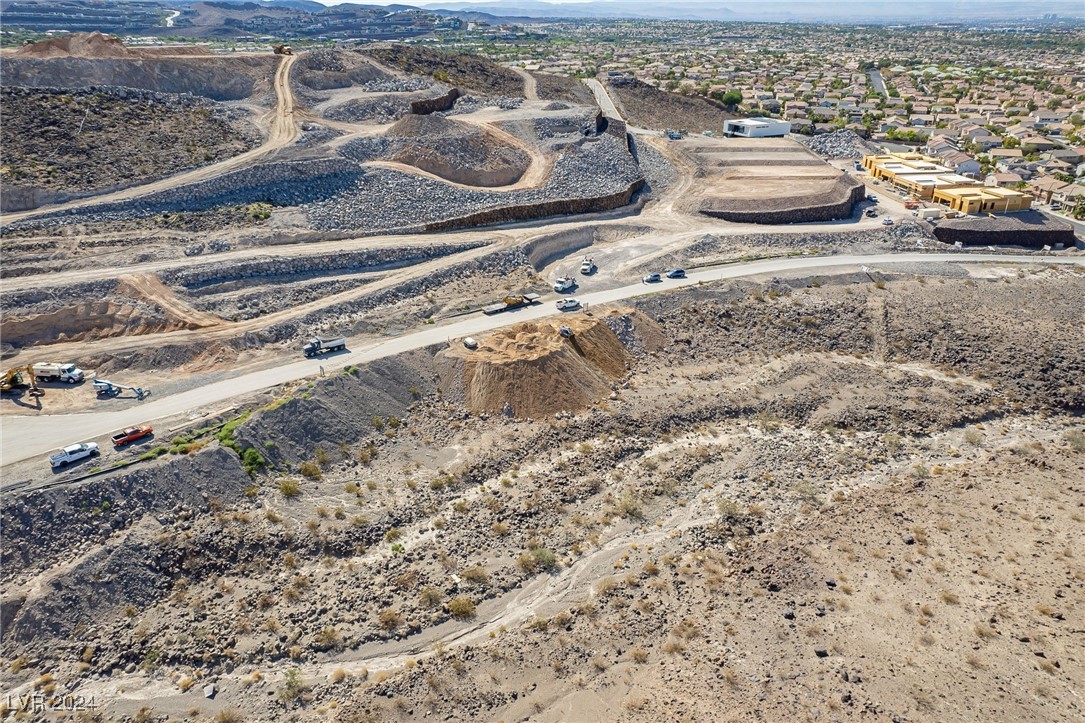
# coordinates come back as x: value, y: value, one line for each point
x: 397, y: 85
x: 386, y: 200
x: 840, y: 144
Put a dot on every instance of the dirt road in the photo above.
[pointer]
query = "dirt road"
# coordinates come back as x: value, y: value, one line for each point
x: 531, y: 88
x: 25, y: 437
x: 282, y: 130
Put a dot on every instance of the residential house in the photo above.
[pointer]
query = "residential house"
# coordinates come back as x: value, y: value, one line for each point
x: 1003, y: 180
x: 1044, y: 189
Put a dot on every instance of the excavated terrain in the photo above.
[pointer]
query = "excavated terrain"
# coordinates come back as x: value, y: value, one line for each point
x: 70, y: 140
x: 800, y: 500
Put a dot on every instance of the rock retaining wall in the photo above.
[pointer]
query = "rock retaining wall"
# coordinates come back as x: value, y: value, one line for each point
x: 434, y: 105
x: 563, y: 207
x: 1030, y: 228
x: 367, y: 259
x: 837, y: 203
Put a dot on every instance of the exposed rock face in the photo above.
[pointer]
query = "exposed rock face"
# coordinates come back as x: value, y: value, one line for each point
x: 1028, y: 228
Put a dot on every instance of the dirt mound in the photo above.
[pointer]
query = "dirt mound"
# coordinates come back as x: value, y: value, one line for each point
x: 456, y: 151
x: 80, y: 45
x: 534, y: 370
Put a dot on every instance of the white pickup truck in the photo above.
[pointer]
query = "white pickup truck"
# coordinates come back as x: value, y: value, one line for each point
x: 565, y: 283
x: 50, y: 371
x: 73, y: 453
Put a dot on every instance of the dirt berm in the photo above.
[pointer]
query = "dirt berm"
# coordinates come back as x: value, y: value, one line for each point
x: 535, y: 370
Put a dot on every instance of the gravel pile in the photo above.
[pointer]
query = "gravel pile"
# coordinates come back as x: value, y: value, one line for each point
x: 382, y: 109
x: 839, y: 144
x: 658, y: 171
x: 471, y: 104
x: 397, y: 85
x: 384, y: 200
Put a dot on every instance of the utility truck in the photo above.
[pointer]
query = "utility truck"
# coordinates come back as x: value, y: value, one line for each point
x: 53, y: 372
x: 564, y: 283
x: 323, y: 344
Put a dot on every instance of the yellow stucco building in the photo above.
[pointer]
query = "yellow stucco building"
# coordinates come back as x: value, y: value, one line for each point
x: 983, y: 199
x: 924, y: 177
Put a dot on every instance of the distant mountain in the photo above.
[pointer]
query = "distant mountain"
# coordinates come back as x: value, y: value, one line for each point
x: 606, y: 9
x: 308, y: 6
x: 850, y: 11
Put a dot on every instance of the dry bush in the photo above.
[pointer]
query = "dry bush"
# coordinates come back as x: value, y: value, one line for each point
x: 461, y: 608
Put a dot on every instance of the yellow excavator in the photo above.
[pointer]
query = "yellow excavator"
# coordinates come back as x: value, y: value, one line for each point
x: 14, y: 378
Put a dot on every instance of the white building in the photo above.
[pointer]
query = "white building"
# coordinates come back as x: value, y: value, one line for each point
x: 756, y: 128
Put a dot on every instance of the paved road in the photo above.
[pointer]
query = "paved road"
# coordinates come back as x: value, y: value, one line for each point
x: 25, y: 436
x: 876, y: 80
x: 602, y: 99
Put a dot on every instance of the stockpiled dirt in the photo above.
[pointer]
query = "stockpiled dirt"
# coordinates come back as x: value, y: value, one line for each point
x: 456, y: 151
x: 531, y: 370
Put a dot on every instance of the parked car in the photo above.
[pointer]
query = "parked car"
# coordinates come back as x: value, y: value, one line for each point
x: 470, y: 343
x: 676, y: 273
x: 652, y: 279
x: 887, y: 222
x: 131, y: 435
x: 871, y: 213
x: 568, y: 304
x: 872, y: 198
x: 73, y: 453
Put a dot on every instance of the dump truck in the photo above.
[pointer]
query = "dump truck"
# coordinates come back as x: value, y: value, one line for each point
x: 283, y: 50
x: 512, y: 302
x: 131, y: 434
x: 51, y: 371
x: 323, y: 344
x: 73, y: 453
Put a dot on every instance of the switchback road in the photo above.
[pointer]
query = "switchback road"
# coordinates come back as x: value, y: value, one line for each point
x: 29, y: 436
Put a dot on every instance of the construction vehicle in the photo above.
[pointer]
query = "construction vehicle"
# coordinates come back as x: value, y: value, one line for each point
x: 323, y: 344
x: 565, y: 332
x: 283, y: 50
x: 911, y: 205
x: 15, y: 378
x: 588, y: 267
x: 131, y: 435
x: 73, y: 453
x: 106, y: 388
x: 564, y: 283
x: 51, y: 371
x: 512, y: 302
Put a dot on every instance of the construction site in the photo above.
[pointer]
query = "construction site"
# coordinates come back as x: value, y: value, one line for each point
x: 484, y: 394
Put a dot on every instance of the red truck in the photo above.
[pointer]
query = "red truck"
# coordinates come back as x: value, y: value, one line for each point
x: 131, y: 435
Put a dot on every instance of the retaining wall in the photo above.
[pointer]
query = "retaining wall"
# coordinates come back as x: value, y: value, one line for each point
x: 1027, y: 229
x: 506, y: 214
x: 433, y: 105
x: 837, y: 203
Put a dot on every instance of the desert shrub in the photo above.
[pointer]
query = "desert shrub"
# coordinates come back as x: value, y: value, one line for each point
x: 289, y: 487
x: 310, y: 470
x: 461, y: 608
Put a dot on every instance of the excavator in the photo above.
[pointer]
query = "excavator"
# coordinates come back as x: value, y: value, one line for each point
x: 283, y: 50
x: 14, y: 378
